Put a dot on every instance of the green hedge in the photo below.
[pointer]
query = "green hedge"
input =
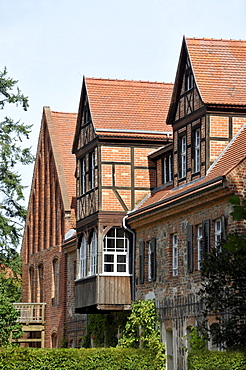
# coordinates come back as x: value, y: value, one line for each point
x: 76, y: 359
x: 213, y: 360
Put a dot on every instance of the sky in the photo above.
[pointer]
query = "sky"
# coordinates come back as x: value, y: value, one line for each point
x: 48, y: 45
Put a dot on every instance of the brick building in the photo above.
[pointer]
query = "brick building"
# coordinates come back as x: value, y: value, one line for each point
x: 189, y: 212
x: 113, y: 137
x: 155, y: 165
x: 50, y: 219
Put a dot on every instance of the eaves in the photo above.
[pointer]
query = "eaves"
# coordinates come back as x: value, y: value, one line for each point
x: 174, y: 200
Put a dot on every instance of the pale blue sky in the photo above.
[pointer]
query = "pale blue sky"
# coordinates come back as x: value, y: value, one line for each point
x: 48, y: 45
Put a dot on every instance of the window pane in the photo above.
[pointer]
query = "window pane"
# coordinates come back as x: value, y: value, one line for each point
x: 110, y: 245
x: 120, y: 232
x: 121, y: 259
x: 111, y: 233
x: 109, y: 258
x: 120, y: 245
x: 121, y: 268
x: 108, y: 268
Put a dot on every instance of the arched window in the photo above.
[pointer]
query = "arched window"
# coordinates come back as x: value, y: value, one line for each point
x: 41, y: 282
x: 93, y: 254
x: 31, y: 284
x: 54, y: 340
x: 116, y: 252
x: 169, y: 349
x: 55, y: 282
x: 82, y: 258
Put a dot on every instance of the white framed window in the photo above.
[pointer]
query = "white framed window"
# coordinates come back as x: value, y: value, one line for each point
x: 167, y: 169
x: 175, y: 254
x: 199, y: 246
x: 83, y: 176
x: 149, y: 261
x: 197, y: 153
x: 82, y: 258
x: 93, y: 254
x: 183, y: 156
x: 92, y: 170
x: 116, y: 252
x: 217, y: 232
x: 188, y: 80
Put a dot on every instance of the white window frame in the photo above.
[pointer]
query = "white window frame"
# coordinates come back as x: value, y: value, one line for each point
x: 175, y: 254
x: 183, y: 156
x: 170, y: 167
x: 217, y: 231
x: 197, y: 148
x: 167, y: 169
x: 82, y: 258
x: 149, y: 261
x: 199, y: 246
x: 115, y: 253
x: 92, y: 169
x: 93, y: 254
x: 83, y: 176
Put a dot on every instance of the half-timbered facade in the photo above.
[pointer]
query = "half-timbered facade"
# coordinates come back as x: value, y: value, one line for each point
x: 119, y: 123
x: 189, y: 211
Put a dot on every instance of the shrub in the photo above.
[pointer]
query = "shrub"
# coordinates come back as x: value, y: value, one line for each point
x: 76, y: 359
x: 209, y: 360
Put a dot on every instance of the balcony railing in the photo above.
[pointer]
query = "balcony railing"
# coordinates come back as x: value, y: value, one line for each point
x: 31, y: 313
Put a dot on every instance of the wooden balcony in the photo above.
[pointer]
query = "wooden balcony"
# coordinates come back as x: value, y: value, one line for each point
x: 31, y: 313
x: 102, y: 293
x: 32, y: 318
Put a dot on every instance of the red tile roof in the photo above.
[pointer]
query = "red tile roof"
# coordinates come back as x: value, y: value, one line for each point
x: 219, y: 67
x: 129, y: 107
x: 233, y: 154
x: 61, y: 127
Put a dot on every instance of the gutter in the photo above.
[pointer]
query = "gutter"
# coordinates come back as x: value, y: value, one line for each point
x: 168, y: 133
x: 217, y: 182
x: 133, y: 256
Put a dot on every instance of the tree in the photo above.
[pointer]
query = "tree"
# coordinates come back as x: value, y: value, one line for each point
x: 224, y: 286
x: 8, y: 322
x: 12, y: 213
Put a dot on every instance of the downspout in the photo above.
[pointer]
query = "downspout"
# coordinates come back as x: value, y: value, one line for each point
x: 133, y: 256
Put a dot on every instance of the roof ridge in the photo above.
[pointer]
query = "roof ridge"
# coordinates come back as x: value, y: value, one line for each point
x: 126, y: 80
x: 53, y: 111
x: 212, y: 39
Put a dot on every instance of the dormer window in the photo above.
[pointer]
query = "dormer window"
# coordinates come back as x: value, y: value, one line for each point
x: 167, y: 169
x: 188, y: 80
x: 92, y: 170
x: 83, y: 176
x: 86, y: 115
x: 197, y: 150
x: 182, y: 156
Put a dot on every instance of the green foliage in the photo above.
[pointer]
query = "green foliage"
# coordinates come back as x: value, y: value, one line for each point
x: 76, y: 359
x: 12, y: 213
x: 104, y: 329
x: 10, y: 276
x: 239, y: 208
x: 208, y: 360
x: 8, y: 322
x: 196, y: 340
x: 224, y: 287
x: 142, y: 331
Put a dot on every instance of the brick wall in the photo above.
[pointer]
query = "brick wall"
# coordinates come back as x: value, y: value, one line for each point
x: 46, y: 226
